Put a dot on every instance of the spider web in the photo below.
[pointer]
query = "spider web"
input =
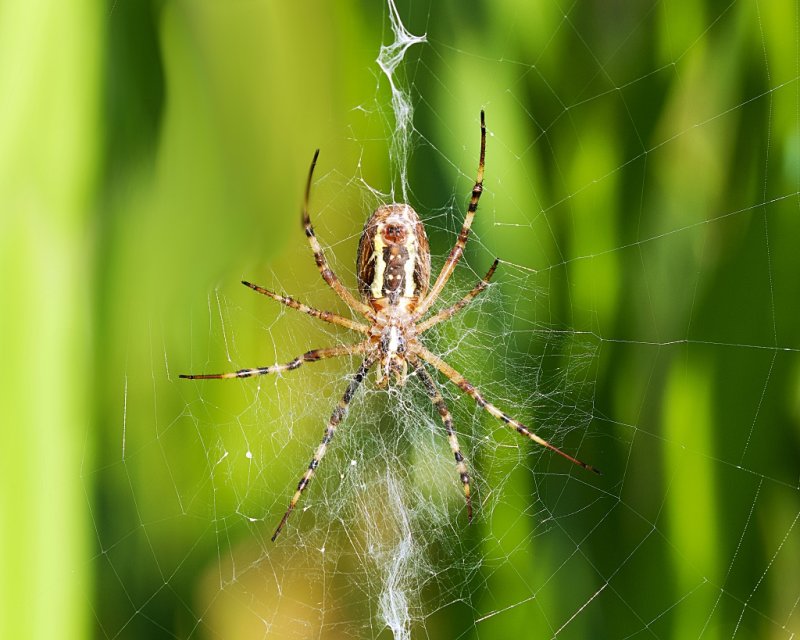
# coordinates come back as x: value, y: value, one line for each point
x: 644, y: 318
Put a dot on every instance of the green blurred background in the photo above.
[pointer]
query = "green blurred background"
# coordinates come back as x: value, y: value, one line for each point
x: 643, y: 171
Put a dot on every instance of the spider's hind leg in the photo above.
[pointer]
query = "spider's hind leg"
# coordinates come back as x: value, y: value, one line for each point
x: 447, y: 419
x: 467, y: 387
x: 336, y: 417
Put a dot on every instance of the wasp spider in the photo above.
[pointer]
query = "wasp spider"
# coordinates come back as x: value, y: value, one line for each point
x: 393, y: 268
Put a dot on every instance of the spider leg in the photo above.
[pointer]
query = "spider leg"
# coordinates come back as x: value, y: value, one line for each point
x: 451, y: 311
x: 336, y: 417
x: 327, y: 316
x: 462, y: 383
x: 308, y: 356
x: 322, y: 264
x: 458, y: 249
x: 436, y: 397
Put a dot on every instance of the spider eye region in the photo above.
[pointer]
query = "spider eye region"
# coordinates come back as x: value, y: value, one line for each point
x: 395, y: 234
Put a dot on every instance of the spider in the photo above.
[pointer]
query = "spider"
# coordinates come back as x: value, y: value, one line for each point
x: 393, y: 270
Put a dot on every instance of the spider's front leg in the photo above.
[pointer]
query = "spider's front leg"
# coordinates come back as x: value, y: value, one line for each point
x: 463, y: 236
x: 336, y: 417
x: 447, y: 419
x: 453, y: 310
x: 322, y: 264
x: 325, y: 316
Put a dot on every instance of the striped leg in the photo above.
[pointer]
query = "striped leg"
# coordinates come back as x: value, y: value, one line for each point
x: 458, y: 249
x: 322, y: 264
x: 451, y: 311
x: 308, y: 356
x: 436, y: 397
x: 336, y: 417
x: 327, y: 316
x: 462, y: 383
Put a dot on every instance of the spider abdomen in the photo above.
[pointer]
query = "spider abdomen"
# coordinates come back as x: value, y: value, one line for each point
x: 394, y: 262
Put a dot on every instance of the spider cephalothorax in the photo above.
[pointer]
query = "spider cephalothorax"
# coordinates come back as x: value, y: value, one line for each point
x: 393, y: 269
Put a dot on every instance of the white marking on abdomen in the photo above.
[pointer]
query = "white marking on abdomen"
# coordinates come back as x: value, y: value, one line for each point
x: 376, y: 287
x: 411, y: 262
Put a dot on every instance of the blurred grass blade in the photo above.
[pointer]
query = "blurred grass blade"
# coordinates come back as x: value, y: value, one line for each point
x: 49, y: 75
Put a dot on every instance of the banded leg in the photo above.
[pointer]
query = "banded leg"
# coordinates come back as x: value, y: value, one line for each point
x: 308, y: 356
x: 438, y: 401
x: 462, y: 383
x: 336, y: 417
x: 458, y: 249
x: 322, y: 264
x: 327, y: 316
x: 451, y: 311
